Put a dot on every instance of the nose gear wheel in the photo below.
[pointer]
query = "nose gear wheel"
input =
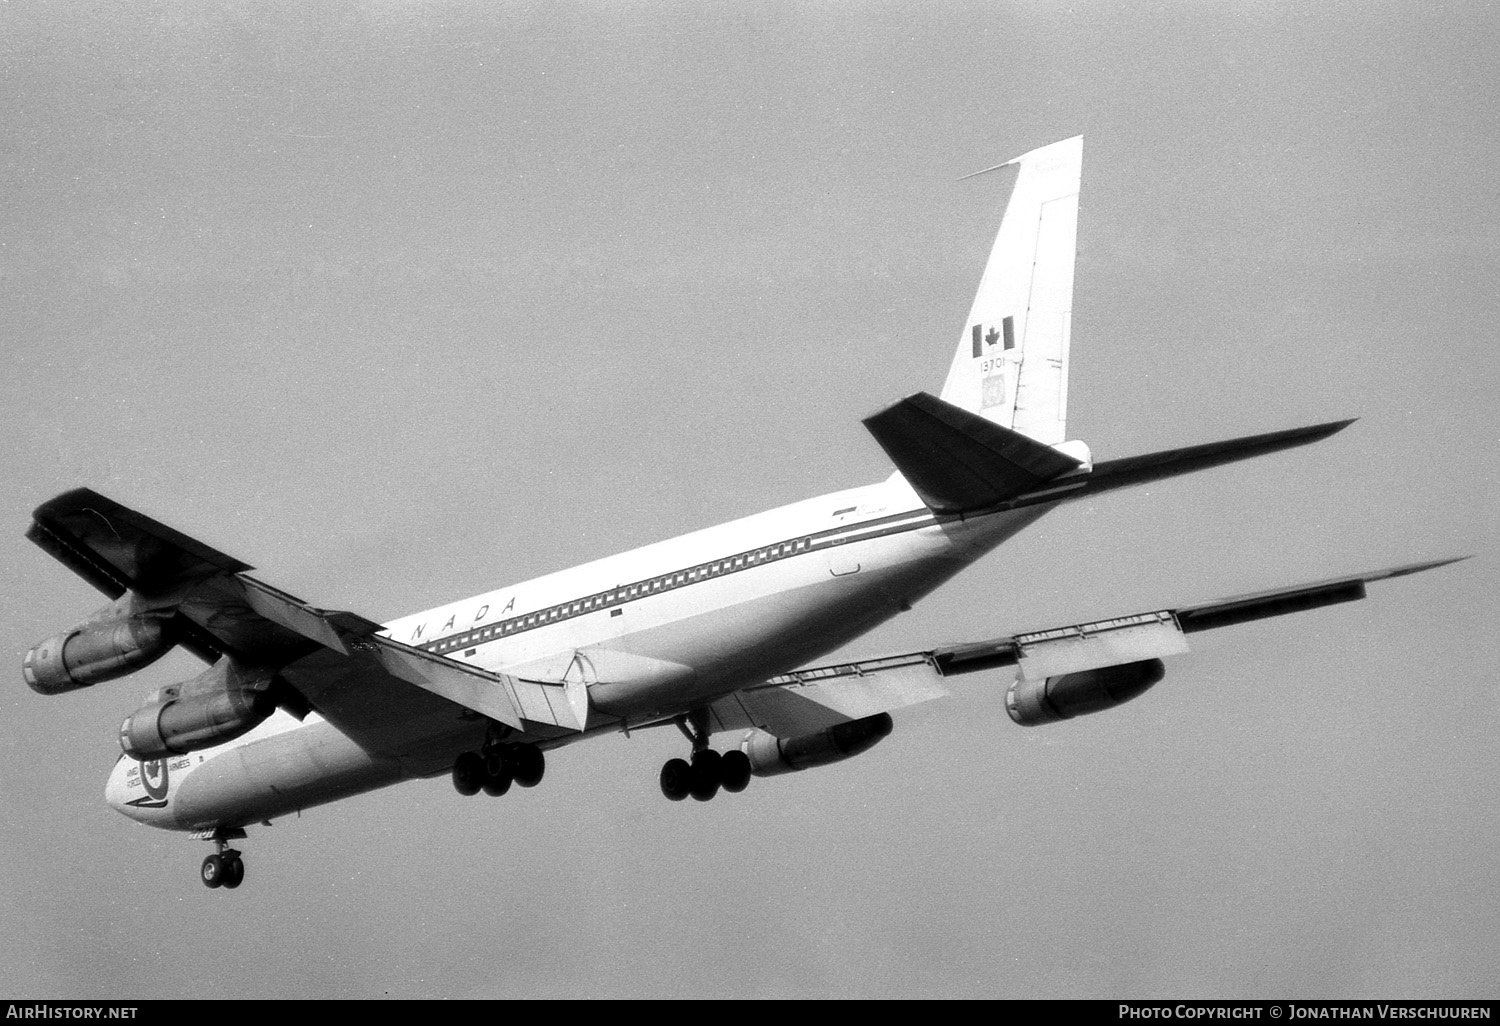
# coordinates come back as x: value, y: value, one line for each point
x: 224, y: 868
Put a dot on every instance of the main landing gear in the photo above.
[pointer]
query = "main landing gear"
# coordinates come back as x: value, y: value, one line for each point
x: 224, y: 868
x: 708, y: 771
x: 495, y: 767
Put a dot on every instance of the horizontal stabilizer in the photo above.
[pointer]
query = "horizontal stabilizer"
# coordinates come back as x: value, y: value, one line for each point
x: 1134, y: 470
x: 958, y: 461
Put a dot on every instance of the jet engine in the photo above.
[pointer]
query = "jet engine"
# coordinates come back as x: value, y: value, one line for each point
x: 96, y: 651
x: 217, y: 706
x: 770, y: 754
x: 1032, y: 702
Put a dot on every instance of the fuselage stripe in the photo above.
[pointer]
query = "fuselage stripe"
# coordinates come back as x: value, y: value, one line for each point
x: 483, y: 633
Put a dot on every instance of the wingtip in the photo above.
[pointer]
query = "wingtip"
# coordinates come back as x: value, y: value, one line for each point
x: 1318, y: 432
x: 1333, y: 427
x: 69, y: 500
x: 1416, y: 568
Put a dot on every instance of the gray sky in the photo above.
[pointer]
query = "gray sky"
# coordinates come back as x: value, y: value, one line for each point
x: 401, y: 302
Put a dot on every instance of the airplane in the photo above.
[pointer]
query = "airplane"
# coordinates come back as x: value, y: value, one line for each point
x: 716, y: 632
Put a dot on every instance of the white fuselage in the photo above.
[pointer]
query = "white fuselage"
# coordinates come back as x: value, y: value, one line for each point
x: 663, y: 631
x: 653, y: 633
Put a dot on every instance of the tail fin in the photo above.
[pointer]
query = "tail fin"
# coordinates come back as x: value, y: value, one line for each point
x: 1011, y: 366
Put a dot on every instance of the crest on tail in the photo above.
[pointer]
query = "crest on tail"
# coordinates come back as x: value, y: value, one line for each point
x: 1011, y: 366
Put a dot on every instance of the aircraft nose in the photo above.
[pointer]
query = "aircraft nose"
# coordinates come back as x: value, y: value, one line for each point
x: 139, y: 791
x: 114, y: 787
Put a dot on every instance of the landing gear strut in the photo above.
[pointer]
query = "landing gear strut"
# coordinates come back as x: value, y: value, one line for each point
x: 496, y: 766
x: 708, y: 771
x: 224, y: 868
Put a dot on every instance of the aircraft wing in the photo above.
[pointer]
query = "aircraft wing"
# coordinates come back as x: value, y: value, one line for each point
x: 385, y: 695
x: 825, y: 696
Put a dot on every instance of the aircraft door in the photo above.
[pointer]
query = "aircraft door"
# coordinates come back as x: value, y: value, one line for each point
x: 842, y: 560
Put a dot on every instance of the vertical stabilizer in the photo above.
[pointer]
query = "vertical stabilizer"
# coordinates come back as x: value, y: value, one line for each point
x: 1011, y: 366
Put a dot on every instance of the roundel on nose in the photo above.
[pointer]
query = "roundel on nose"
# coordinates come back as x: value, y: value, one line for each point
x: 154, y: 778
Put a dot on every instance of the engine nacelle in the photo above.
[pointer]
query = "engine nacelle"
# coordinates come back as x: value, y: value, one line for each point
x: 1031, y: 702
x: 770, y: 754
x: 175, y: 725
x: 95, y: 652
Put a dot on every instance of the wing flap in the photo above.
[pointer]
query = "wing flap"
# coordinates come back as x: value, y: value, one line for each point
x: 1125, y: 639
x: 331, y: 629
x: 489, y: 694
x: 812, y: 700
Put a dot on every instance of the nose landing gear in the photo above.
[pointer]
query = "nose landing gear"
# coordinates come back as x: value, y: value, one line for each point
x: 224, y: 868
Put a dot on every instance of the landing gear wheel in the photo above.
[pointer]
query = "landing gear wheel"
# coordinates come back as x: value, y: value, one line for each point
x: 234, y: 870
x: 704, y: 782
x: 734, y: 771
x: 497, y: 775
x: 468, y: 773
x: 213, y: 871
x: 529, y: 764
x: 676, y: 779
